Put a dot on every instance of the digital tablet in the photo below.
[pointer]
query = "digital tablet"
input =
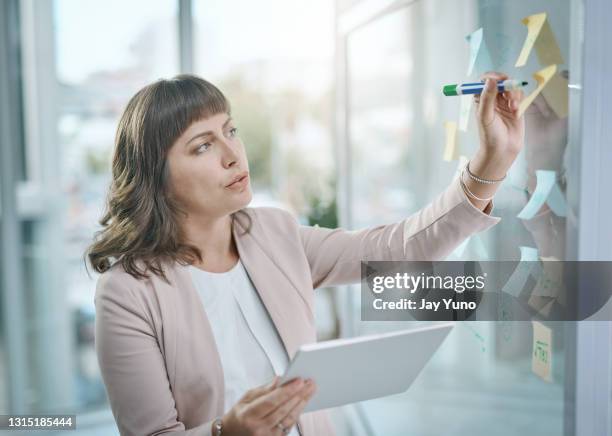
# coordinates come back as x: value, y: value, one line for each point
x: 357, y: 369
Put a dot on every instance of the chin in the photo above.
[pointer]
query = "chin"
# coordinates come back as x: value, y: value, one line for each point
x: 244, y: 200
x: 249, y: 197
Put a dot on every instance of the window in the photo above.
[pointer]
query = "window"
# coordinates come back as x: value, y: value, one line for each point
x: 274, y: 61
x: 91, y: 63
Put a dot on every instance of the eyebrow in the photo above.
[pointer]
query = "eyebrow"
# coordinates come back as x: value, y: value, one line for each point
x: 208, y: 132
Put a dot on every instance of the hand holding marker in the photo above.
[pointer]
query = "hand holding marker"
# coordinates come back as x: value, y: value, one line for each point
x: 478, y: 87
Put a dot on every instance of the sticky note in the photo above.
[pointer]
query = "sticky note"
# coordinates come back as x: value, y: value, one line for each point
x: 550, y: 279
x: 517, y: 280
x: 476, y: 243
x: 547, y: 191
x: 544, y: 183
x: 536, y: 272
x: 516, y: 187
x: 465, y: 111
x: 557, y: 95
x: 556, y: 199
x: 480, y: 58
x: 450, y: 149
x: 540, y: 35
x: 541, y: 362
x: 545, y: 310
x: 529, y: 254
x: 542, y: 77
x: 504, y: 46
x: 481, y: 250
x: 460, y: 249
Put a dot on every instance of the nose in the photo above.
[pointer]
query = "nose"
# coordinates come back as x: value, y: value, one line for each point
x: 230, y: 156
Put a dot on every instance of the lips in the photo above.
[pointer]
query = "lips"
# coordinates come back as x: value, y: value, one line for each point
x: 237, y: 178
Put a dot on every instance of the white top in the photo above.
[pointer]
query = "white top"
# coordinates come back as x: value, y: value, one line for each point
x: 250, y: 348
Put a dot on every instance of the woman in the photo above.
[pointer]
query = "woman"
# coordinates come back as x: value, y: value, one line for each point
x: 202, y: 300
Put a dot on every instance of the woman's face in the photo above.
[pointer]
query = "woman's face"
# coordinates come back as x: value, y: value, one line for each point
x: 203, y: 162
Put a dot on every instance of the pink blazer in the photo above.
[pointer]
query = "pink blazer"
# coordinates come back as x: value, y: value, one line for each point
x: 155, y: 346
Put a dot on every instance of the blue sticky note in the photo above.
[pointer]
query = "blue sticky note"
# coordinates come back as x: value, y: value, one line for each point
x: 460, y: 249
x: 517, y: 280
x: 480, y: 58
x: 556, y: 201
x: 547, y: 191
x: 476, y: 243
x: 504, y: 47
x: 529, y: 254
x: 481, y: 250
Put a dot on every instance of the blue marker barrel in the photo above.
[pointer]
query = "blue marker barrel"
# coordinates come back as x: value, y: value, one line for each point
x: 478, y: 87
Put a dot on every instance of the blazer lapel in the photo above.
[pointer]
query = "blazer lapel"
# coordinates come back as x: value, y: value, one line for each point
x: 277, y: 293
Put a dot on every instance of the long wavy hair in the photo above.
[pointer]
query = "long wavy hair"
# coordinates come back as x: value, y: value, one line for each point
x: 140, y: 225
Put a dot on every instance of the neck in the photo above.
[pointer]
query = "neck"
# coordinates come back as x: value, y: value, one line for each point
x: 213, y: 236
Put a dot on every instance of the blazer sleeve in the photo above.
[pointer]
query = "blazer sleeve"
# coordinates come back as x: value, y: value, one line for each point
x: 432, y: 233
x: 132, y: 364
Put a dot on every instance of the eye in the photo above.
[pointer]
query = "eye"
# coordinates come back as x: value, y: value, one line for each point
x: 202, y: 148
x: 233, y: 132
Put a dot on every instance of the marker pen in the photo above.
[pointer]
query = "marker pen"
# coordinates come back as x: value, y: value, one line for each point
x: 478, y: 87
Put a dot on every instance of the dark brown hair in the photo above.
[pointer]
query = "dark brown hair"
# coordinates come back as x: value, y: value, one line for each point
x: 140, y: 223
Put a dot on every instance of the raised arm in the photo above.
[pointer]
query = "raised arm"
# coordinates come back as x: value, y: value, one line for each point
x: 433, y: 232
x: 335, y: 255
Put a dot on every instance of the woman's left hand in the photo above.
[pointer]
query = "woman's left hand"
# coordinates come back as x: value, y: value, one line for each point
x: 500, y: 128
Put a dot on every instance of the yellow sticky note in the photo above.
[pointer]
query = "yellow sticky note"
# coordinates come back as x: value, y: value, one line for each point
x: 541, y: 35
x: 450, y: 149
x: 557, y: 96
x: 541, y: 358
x: 542, y: 77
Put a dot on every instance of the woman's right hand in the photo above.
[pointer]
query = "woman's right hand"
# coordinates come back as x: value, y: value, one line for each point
x: 268, y: 409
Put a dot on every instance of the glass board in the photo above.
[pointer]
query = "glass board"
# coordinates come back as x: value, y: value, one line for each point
x: 481, y: 381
